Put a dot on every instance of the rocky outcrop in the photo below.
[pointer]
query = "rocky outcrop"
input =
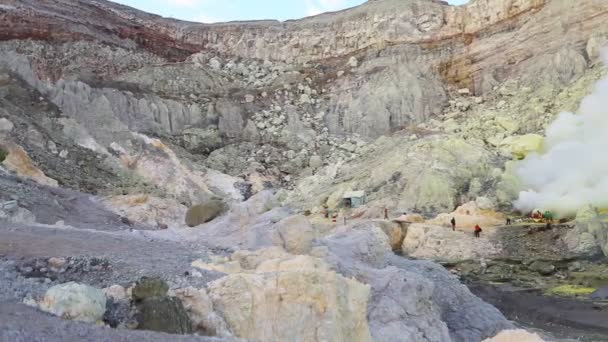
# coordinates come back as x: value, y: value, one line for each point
x: 157, y: 311
x: 288, y: 297
x: 314, y: 91
x: 413, y: 300
x: 18, y: 161
x: 164, y: 314
x: 296, y: 234
x: 441, y: 243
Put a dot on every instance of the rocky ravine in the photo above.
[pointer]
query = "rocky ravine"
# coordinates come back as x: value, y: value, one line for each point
x: 116, y: 125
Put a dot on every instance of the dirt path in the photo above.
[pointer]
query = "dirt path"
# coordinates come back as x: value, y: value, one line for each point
x: 563, y: 317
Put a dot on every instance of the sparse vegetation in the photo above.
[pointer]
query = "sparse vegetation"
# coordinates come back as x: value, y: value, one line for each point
x: 570, y: 290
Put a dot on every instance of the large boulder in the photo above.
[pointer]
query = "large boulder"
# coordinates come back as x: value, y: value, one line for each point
x: 149, y: 287
x: 395, y: 231
x: 165, y: 314
x: 439, y: 243
x: 366, y: 244
x: 589, y: 237
x: 203, y: 213
x: 296, y: 234
x: 410, y: 300
x: 75, y: 301
x: 157, y: 311
x: 198, y: 140
x: 295, y: 298
x: 466, y: 317
x: 542, y: 267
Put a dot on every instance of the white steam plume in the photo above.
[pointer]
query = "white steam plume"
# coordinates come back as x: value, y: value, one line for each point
x: 573, y: 172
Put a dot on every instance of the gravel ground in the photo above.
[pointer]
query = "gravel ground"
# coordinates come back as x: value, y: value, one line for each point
x: 130, y: 254
x: 16, y: 326
x: 96, y: 257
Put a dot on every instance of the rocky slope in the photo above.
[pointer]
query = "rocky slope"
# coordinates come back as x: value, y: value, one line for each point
x: 313, y: 91
x: 115, y: 124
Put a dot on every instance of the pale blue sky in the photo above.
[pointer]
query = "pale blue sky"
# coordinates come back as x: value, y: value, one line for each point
x: 226, y: 10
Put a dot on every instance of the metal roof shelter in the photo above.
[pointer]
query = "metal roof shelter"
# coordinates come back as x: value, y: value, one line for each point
x: 354, y: 199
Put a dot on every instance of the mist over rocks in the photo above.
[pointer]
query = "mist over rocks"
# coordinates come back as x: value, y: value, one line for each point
x: 571, y: 172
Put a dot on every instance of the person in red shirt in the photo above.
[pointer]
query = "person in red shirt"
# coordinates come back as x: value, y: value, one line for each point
x: 478, y: 231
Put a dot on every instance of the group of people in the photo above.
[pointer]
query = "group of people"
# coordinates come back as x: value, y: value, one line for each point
x: 476, y: 232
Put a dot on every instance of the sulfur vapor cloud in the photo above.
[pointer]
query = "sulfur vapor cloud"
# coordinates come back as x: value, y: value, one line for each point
x: 573, y: 170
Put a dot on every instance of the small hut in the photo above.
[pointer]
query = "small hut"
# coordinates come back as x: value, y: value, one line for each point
x: 353, y: 199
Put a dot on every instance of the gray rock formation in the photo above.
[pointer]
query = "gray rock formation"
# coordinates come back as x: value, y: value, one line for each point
x: 395, y: 282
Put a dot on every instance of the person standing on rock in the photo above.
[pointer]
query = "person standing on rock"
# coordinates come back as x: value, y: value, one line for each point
x: 386, y: 213
x: 453, y: 222
x: 478, y: 231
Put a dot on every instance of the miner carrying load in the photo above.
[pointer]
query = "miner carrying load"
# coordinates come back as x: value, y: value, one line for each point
x: 536, y: 215
x: 477, y: 231
x: 548, y: 216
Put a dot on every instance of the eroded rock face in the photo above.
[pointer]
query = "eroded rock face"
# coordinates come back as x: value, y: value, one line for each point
x: 378, y: 68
